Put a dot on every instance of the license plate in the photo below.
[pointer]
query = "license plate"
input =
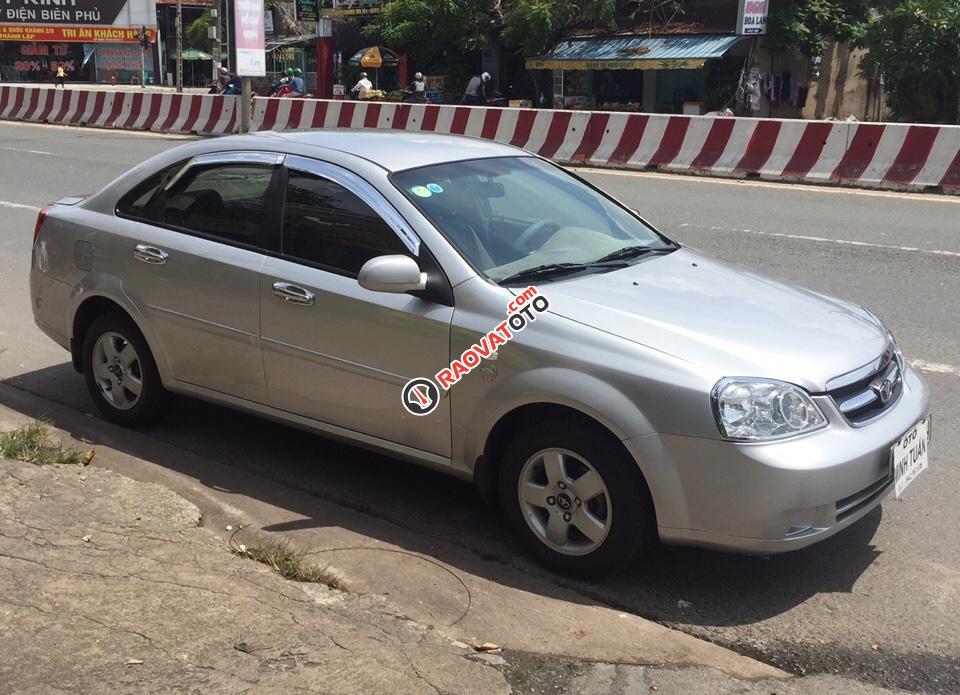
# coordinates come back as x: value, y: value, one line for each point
x: 909, y: 455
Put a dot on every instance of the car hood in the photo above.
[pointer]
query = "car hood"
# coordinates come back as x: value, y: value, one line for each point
x: 725, y: 318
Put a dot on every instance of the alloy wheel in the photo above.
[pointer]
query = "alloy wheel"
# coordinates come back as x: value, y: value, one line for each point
x: 564, y: 501
x: 117, y: 370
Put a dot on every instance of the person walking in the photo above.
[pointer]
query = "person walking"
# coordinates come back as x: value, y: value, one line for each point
x: 476, y: 92
x: 61, y: 76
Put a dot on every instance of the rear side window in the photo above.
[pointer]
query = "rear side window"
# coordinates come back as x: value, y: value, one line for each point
x: 224, y: 201
x: 325, y: 224
x: 135, y: 203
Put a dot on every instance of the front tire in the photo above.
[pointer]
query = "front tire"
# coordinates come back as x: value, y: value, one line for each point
x: 575, y: 497
x: 121, y: 373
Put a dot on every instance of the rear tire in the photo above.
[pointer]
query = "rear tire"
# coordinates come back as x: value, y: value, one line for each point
x: 121, y: 373
x: 575, y: 497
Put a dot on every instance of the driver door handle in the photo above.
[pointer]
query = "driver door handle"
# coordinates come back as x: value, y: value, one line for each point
x: 293, y: 293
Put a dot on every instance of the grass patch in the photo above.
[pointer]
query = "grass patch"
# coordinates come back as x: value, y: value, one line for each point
x: 31, y: 443
x: 289, y: 564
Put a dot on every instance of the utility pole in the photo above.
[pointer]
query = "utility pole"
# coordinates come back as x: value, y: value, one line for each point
x: 217, y: 28
x: 143, y: 44
x: 246, y: 105
x: 179, y: 45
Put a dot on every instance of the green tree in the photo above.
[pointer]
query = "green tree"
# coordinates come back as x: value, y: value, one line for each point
x: 809, y: 24
x: 196, y: 33
x: 532, y: 26
x: 432, y: 29
x: 916, y: 46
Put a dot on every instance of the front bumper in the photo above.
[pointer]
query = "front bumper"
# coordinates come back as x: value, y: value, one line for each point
x: 777, y: 496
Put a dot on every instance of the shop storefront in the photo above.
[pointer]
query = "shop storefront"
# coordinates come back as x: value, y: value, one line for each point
x: 93, y: 40
x: 658, y: 74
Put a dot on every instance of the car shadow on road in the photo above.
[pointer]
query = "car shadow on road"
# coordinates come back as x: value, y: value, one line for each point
x: 294, y: 470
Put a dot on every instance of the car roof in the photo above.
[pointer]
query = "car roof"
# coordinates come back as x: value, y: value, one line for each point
x: 398, y: 150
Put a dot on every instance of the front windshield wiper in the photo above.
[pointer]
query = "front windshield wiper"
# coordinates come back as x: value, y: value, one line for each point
x: 549, y: 270
x: 630, y: 252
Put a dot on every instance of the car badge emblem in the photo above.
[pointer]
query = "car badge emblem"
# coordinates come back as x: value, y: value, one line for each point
x: 883, y: 389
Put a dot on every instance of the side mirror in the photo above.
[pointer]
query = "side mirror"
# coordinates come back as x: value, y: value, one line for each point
x: 397, y: 274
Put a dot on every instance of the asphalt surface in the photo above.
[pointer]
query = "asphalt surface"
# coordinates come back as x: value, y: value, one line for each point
x: 879, y: 602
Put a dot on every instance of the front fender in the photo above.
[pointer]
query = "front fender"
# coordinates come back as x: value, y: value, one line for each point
x: 584, y: 393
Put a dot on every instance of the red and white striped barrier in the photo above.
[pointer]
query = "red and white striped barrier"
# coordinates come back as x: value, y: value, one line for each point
x: 883, y: 155
x: 878, y: 155
x: 156, y: 111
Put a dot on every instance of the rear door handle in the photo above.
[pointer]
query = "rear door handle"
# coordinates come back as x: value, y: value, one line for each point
x: 150, y: 254
x: 293, y: 293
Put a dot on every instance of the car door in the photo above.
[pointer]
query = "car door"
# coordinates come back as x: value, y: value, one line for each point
x: 196, y: 250
x: 332, y: 350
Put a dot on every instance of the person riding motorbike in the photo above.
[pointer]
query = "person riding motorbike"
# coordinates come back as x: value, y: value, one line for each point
x: 416, y: 93
x: 220, y: 84
x: 281, y: 83
x: 296, y: 86
x: 231, y: 83
x: 363, y: 85
x: 476, y: 92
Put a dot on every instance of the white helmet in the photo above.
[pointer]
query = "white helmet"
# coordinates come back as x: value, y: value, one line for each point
x: 485, y: 76
x: 418, y: 76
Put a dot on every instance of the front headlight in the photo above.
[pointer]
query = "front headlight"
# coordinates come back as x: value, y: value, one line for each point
x: 749, y: 409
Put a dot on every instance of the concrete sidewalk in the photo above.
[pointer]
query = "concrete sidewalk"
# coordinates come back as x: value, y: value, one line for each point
x: 463, y: 596
x: 123, y: 585
x: 110, y: 585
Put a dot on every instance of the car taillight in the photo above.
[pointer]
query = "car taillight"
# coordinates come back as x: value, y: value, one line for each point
x: 41, y: 216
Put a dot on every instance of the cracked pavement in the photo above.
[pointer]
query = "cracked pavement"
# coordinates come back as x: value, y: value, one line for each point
x: 152, y: 602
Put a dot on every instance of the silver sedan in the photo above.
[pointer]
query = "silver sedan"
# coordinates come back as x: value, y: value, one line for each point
x: 473, y: 308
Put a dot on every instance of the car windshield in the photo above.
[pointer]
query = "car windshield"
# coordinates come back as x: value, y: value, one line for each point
x: 516, y: 217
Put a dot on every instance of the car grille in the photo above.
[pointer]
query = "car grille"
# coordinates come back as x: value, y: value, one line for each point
x: 866, y: 393
x: 857, y: 501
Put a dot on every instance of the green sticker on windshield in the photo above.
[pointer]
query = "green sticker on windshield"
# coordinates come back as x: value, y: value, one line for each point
x: 435, y: 188
x: 421, y: 191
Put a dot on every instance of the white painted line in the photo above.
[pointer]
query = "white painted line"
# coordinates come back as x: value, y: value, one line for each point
x: 935, y: 367
x: 17, y: 149
x: 843, y: 242
x: 19, y: 206
x: 782, y: 185
x: 107, y: 132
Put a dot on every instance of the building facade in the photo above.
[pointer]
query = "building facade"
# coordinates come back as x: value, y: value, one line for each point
x: 93, y: 40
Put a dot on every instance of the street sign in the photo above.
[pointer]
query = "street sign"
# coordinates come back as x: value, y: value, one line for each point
x: 249, y: 38
x: 752, y: 17
x: 306, y: 10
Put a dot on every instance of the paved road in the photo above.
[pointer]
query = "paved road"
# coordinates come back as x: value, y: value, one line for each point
x: 880, y: 602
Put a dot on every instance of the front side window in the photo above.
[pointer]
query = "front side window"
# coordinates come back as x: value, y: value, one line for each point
x: 325, y: 224
x: 512, y: 215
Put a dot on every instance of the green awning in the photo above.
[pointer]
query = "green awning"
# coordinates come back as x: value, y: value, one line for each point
x: 192, y: 54
x: 634, y: 52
